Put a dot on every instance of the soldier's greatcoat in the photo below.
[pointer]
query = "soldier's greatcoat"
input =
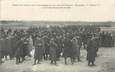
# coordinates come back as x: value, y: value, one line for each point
x: 68, y: 51
x: 19, y: 49
x: 1, y: 48
x: 91, y: 50
x: 76, y: 47
x: 53, y: 50
x: 39, y: 48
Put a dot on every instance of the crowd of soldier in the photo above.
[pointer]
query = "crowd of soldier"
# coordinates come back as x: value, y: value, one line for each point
x: 49, y: 44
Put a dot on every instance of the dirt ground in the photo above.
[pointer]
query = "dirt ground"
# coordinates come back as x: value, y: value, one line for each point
x: 105, y: 62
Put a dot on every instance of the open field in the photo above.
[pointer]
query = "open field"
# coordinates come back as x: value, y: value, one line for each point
x: 105, y: 62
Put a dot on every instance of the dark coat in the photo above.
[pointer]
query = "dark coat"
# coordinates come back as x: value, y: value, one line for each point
x: 46, y: 45
x: 91, y: 50
x: 8, y: 46
x: 20, y: 49
x: 67, y: 51
x: 4, y: 47
x: 1, y: 48
x: 39, y: 49
x: 59, y: 45
x: 76, y: 47
x: 13, y: 46
x: 53, y: 50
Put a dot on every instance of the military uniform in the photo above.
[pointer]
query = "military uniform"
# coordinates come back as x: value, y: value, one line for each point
x: 91, y: 51
x: 1, y: 50
x: 39, y: 50
x: 76, y: 48
x: 53, y: 51
x: 68, y: 50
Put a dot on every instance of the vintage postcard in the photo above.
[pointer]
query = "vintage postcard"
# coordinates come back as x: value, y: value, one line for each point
x: 57, y: 35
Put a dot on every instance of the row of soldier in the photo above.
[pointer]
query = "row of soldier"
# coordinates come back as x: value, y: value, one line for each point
x: 18, y: 44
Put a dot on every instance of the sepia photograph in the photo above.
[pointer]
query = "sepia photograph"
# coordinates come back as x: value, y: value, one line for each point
x: 57, y: 35
x: 50, y: 46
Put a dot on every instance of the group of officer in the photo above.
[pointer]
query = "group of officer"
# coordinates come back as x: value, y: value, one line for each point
x: 49, y: 44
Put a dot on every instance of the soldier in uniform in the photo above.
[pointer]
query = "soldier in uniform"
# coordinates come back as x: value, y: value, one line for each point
x: 68, y: 50
x: 13, y: 47
x: 2, y: 44
x: 46, y: 47
x: 53, y: 51
x: 76, y: 47
x: 29, y: 45
x: 91, y: 51
x: 59, y: 46
x: 1, y: 50
x: 39, y: 50
x: 84, y: 39
x: 7, y: 47
x: 19, y: 54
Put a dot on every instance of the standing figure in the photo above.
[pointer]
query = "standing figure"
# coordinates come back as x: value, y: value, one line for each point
x: 46, y: 47
x: 59, y: 46
x: 1, y: 49
x: 91, y: 51
x: 76, y: 48
x: 68, y: 50
x: 53, y: 51
x: 39, y: 50
x: 29, y: 45
x: 19, y: 54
